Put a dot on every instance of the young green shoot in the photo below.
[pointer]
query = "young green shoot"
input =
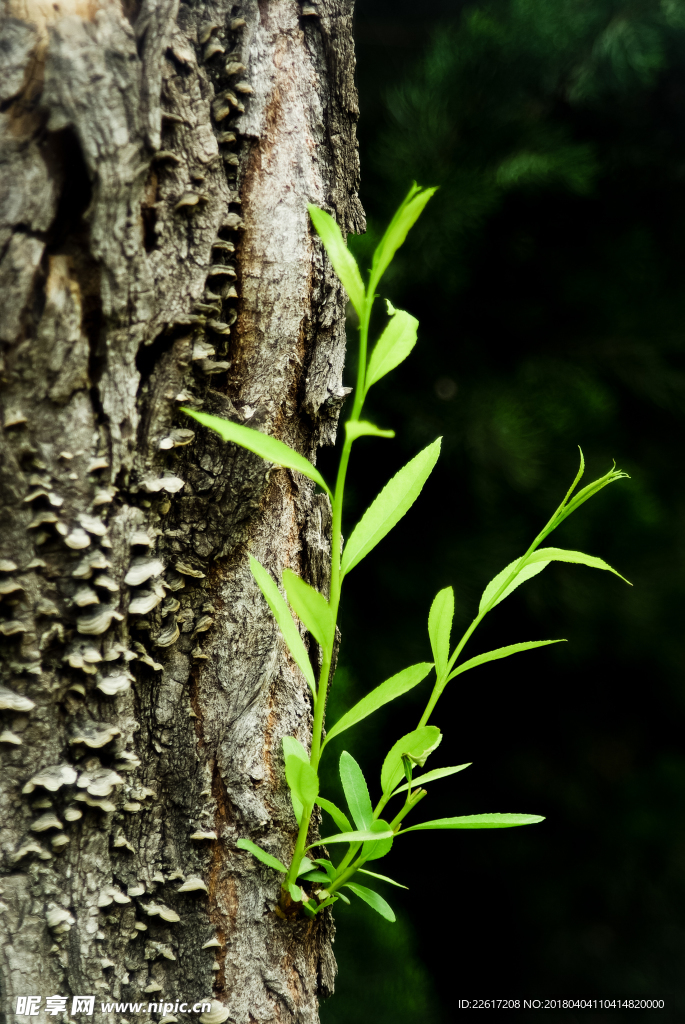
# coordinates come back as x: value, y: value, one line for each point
x: 311, y: 883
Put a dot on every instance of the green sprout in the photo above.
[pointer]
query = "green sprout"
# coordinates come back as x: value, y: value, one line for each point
x: 368, y: 833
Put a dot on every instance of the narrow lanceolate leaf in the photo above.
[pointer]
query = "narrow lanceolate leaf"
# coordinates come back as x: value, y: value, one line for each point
x: 351, y: 837
x: 383, y: 878
x: 477, y: 821
x: 383, y: 694
x: 380, y: 847
x: 362, y: 428
x: 418, y: 745
x: 561, y: 555
x: 578, y: 477
x: 284, y: 619
x: 526, y: 573
x: 340, y: 819
x: 535, y: 563
x: 393, y: 346
x: 292, y: 748
x: 302, y: 780
x: 327, y: 866
x: 261, y: 444
x: 256, y: 851
x: 439, y: 773
x: 501, y: 652
x: 440, y: 629
x: 314, y: 876
x: 311, y: 608
x: 296, y: 892
x: 305, y: 865
x: 373, y: 899
x: 340, y: 256
x: 392, y: 503
x: 405, y: 218
x: 356, y: 791
x: 588, y: 492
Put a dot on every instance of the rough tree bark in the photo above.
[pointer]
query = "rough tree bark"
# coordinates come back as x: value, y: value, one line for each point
x: 156, y: 159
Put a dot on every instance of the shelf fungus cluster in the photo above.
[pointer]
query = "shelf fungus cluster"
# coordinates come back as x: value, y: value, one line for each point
x: 119, y: 719
x: 213, y: 314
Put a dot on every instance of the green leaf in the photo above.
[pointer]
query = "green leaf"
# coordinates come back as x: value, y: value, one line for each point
x: 311, y: 608
x: 295, y: 892
x: 327, y: 866
x: 396, y: 498
x: 284, y: 619
x: 373, y: 899
x: 380, y: 847
x: 293, y: 748
x: 256, y: 851
x: 587, y: 492
x: 438, y: 773
x: 351, y: 837
x: 477, y: 821
x: 261, y: 444
x: 340, y: 256
x: 362, y: 428
x: 405, y: 218
x: 547, y: 555
x: 305, y: 865
x: 526, y: 573
x: 343, y: 897
x: 440, y: 629
x: 394, y: 687
x: 302, y: 780
x: 340, y: 819
x: 356, y: 791
x: 501, y: 652
x: 383, y: 878
x: 578, y: 477
x: 315, y: 876
x: 330, y: 901
x: 534, y: 564
x: 418, y: 744
x: 393, y: 346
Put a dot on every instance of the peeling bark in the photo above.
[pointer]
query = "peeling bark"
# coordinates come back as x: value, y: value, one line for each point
x: 156, y: 160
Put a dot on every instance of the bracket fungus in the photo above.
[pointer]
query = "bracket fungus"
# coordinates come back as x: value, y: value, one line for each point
x: 216, y: 1015
x: 52, y: 778
x: 193, y: 884
x: 11, y: 701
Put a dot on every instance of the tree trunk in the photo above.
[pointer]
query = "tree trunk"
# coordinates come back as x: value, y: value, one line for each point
x: 156, y: 253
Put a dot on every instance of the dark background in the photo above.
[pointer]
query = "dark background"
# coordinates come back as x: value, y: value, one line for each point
x: 548, y: 278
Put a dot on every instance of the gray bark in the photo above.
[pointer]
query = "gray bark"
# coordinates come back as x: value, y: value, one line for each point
x: 155, y: 251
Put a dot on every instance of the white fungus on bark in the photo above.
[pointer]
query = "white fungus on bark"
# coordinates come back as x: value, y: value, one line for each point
x: 12, y: 701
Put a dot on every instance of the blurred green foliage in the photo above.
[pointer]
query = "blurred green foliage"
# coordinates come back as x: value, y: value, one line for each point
x: 547, y: 275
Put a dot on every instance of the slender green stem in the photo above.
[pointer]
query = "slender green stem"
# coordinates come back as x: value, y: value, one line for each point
x: 319, y: 708
x: 364, y: 322
x: 336, y: 584
x: 350, y: 855
x: 360, y: 394
x: 442, y: 682
x: 345, y: 876
x: 298, y: 854
x: 346, y: 870
x: 336, y: 530
x: 409, y: 805
x: 388, y: 796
